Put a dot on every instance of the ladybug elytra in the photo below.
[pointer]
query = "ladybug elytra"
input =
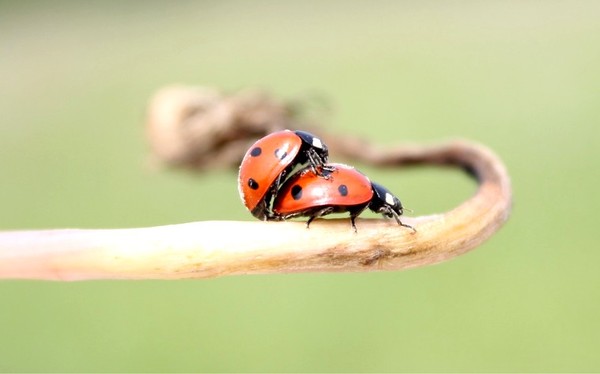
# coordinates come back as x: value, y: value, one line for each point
x: 268, y: 162
x: 344, y: 189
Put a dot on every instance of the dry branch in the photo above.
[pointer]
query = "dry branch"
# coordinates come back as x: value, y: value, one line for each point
x: 218, y: 248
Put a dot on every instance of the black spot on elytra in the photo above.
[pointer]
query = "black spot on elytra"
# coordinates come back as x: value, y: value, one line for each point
x: 343, y: 189
x: 255, y: 152
x: 252, y: 184
x: 280, y: 154
x: 296, y: 192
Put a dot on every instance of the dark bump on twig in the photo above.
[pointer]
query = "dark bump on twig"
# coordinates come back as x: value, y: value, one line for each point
x: 471, y: 172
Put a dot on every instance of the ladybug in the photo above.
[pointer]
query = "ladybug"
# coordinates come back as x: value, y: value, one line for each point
x: 344, y: 190
x: 268, y: 162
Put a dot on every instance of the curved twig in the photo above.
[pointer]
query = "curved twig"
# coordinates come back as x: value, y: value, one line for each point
x: 218, y: 248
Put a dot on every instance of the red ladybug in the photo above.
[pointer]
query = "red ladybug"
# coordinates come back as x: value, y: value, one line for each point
x: 269, y: 160
x: 344, y: 190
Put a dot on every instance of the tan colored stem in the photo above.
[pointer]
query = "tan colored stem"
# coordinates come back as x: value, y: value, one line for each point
x: 217, y: 248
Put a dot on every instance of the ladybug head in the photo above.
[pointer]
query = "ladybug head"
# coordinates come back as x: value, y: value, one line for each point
x: 385, y: 202
x: 314, y: 143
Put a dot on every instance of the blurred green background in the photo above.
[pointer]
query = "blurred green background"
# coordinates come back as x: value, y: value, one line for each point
x: 520, y: 76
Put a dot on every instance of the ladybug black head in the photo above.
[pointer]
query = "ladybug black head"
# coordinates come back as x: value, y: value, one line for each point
x: 314, y: 143
x: 385, y: 202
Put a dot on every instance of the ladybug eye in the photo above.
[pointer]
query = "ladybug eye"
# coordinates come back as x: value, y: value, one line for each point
x: 255, y: 152
x: 280, y: 154
x: 252, y: 184
x: 343, y: 190
x: 296, y: 192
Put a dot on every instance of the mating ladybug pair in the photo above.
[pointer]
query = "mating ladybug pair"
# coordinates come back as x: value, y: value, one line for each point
x: 320, y: 188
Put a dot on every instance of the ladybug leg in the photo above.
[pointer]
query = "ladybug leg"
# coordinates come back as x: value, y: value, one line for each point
x: 352, y: 218
x: 314, y: 160
x: 319, y: 213
x: 268, y: 204
x: 391, y: 213
x: 317, y: 164
x: 353, y: 214
x: 328, y: 169
x: 278, y: 182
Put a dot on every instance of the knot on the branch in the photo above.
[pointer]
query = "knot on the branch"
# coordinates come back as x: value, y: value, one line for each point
x: 197, y: 127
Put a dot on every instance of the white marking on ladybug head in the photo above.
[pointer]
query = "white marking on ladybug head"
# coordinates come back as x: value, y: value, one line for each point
x: 389, y: 198
x: 316, y: 142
